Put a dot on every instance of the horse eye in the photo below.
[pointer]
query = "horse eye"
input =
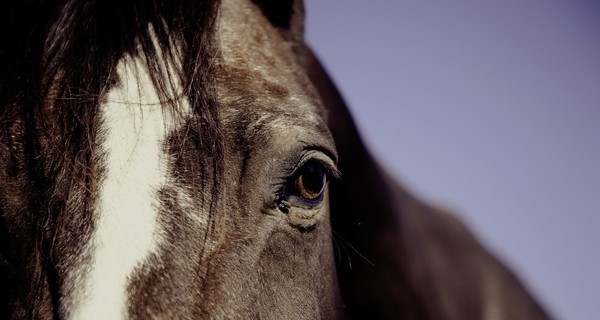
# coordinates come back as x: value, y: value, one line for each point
x: 310, y: 182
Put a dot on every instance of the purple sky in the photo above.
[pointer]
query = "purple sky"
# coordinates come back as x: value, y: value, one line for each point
x: 491, y: 108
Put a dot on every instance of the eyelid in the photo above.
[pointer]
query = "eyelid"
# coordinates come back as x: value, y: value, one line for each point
x: 328, y: 164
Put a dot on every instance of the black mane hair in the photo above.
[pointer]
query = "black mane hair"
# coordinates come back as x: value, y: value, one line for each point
x: 57, y: 59
x: 66, y: 51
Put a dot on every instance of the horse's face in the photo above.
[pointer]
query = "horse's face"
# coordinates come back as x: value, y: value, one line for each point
x: 160, y: 160
x: 165, y: 241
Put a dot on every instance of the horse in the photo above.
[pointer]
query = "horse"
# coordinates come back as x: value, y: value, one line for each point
x: 193, y: 160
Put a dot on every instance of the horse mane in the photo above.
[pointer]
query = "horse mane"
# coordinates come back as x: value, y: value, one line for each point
x: 66, y: 51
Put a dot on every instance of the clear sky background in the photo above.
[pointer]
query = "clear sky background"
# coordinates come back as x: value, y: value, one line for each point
x: 490, y: 108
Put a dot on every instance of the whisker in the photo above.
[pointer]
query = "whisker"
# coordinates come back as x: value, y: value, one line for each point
x: 339, y: 252
x: 353, y: 248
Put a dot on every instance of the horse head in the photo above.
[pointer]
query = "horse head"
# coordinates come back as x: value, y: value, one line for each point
x: 190, y: 159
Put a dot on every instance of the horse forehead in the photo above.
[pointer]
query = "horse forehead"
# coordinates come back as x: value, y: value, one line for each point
x: 258, y: 75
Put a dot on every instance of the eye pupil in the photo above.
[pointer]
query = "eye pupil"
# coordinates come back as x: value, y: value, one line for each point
x: 311, y: 182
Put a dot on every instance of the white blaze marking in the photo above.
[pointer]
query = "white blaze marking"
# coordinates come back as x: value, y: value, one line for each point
x: 134, y: 129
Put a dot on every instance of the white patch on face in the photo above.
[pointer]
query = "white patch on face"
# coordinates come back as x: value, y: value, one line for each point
x: 134, y: 128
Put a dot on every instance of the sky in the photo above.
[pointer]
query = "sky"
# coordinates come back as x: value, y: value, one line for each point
x: 491, y: 109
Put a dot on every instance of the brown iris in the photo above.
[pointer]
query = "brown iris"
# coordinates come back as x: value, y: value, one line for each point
x: 311, y: 182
